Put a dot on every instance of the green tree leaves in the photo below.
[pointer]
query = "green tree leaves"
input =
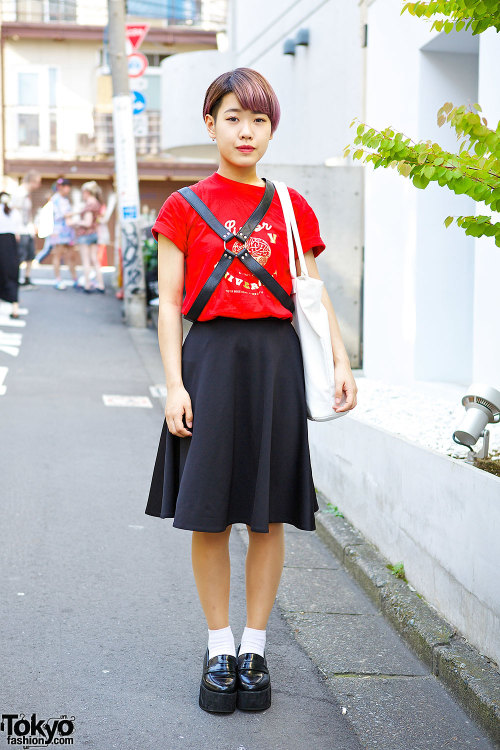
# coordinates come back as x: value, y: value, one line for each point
x: 473, y: 171
x: 476, y: 15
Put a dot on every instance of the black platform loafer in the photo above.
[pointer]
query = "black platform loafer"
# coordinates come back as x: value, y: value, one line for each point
x: 218, y: 684
x: 254, y: 683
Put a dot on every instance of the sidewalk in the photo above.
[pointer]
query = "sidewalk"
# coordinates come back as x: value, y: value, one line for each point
x: 101, y: 619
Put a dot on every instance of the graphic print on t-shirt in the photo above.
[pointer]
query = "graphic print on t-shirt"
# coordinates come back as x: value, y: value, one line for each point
x: 238, y: 277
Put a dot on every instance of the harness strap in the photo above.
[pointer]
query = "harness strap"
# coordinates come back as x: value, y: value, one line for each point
x: 228, y: 256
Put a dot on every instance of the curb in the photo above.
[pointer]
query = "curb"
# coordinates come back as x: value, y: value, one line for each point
x: 471, y: 677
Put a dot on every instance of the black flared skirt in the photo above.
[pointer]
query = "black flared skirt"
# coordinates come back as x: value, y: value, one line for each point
x: 248, y: 458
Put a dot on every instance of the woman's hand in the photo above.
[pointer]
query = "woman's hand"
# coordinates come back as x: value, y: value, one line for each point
x: 178, y: 406
x: 345, y: 384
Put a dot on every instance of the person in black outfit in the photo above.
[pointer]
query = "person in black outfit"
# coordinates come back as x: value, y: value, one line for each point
x: 234, y: 444
x: 9, y: 254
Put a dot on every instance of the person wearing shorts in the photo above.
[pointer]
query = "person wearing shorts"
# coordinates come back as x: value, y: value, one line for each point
x: 63, y: 236
x: 86, y: 235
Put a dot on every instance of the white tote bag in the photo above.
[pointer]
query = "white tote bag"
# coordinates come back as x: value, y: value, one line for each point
x: 310, y: 321
x: 45, y: 220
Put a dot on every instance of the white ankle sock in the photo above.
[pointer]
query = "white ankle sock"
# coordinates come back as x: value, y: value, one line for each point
x: 221, y: 641
x: 253, y: 641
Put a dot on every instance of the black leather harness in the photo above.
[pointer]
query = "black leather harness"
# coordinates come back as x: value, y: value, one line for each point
x: 228, y: 256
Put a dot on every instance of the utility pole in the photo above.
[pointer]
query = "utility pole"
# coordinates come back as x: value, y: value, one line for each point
x: 126, y: 171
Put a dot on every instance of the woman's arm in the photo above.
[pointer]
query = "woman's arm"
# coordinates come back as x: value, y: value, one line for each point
x: 86, y: 220
x: 344, y: 379
x: 170, y: 287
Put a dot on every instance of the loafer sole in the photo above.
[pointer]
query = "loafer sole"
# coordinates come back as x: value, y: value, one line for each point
x: 254, y: 700
x: 211, y: 700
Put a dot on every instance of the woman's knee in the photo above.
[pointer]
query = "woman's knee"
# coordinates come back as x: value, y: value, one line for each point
x: 212, y: 537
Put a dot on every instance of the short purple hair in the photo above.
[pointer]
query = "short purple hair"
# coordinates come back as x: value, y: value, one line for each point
x: 251, y: 89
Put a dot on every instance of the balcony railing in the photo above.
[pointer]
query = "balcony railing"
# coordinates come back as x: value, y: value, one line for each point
x: 207, y: 14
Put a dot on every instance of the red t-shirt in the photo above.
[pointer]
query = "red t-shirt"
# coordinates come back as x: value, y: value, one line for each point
x: 239, y: 294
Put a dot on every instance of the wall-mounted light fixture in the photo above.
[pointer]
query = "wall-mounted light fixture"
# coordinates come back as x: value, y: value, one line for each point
x: 482, y: 405
x: 302, y: 37
x: 289, y: 47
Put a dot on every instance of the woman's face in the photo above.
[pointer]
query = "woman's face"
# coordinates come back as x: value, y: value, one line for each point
x: 85, y: 195
x: 242, y: 135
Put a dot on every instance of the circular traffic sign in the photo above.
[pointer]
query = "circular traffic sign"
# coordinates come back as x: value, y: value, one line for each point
x: 137, y: 64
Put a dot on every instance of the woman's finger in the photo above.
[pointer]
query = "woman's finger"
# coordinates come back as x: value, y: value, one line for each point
x: 189, y: 414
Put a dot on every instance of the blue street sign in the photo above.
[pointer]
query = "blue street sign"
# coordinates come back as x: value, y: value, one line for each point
x: 129, y: 212
x: 138, y: 102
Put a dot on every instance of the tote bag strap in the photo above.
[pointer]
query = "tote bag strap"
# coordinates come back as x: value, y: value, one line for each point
x: 292, y: 231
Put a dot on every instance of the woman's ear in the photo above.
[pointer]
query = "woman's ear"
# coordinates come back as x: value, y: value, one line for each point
x: 210, y: 123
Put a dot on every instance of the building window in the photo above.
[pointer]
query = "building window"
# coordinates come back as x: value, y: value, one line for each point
x: 35, y: 113
x: 38, y: 11
x: 173, y: 11
x: 28, y: 129
x: 62, y: 10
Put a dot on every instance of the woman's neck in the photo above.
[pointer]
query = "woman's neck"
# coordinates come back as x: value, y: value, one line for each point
x: 246, y: 175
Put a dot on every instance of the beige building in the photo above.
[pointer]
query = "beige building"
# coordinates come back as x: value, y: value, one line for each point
x: 56, y: 92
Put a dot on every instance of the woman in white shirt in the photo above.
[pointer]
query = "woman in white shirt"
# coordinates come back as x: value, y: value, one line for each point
x: 9, y: 253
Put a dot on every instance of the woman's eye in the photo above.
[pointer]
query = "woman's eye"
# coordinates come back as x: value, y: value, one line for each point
x: 260, y: 119
x: 232, y: 119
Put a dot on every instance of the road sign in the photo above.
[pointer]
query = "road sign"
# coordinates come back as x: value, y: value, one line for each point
x: 137, y: 64
x: 141, y: 124
x: 129, y: 212
x: 135, y: 33
x: 138, y: 102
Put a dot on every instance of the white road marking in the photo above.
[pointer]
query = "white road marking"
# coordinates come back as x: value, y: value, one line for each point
x: 3, y: 375
x: 12, y: 351
x: 140, y: 401
x: 8, y: 321
x: 158, y: 391
x: 12, y: 339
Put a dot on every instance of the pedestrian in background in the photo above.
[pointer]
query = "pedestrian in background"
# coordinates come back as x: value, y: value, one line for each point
x: 86, y: 234
x: 62, y: 240
x: 10, y: 225
x: 234, y: 444
x: 22, y: 201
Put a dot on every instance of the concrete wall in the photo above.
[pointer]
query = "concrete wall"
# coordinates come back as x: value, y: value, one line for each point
x: 436, y: 514
x: 336, y: 196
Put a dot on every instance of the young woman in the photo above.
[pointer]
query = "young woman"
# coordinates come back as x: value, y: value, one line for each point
x: 234, y: 445
x: 10, y: 224
x: 86, y: 234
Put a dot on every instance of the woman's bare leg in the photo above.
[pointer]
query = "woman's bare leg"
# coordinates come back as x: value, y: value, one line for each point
x: 95, y: 263
x: 85, y: 255
x: 56, y: 260
x: 212, y: 569
x: 73, y: 258
x: 264, y: 565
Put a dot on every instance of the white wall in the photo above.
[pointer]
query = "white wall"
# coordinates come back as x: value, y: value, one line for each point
x: 427, y: 312
x: 486, y: 353
x: 436, y: 514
